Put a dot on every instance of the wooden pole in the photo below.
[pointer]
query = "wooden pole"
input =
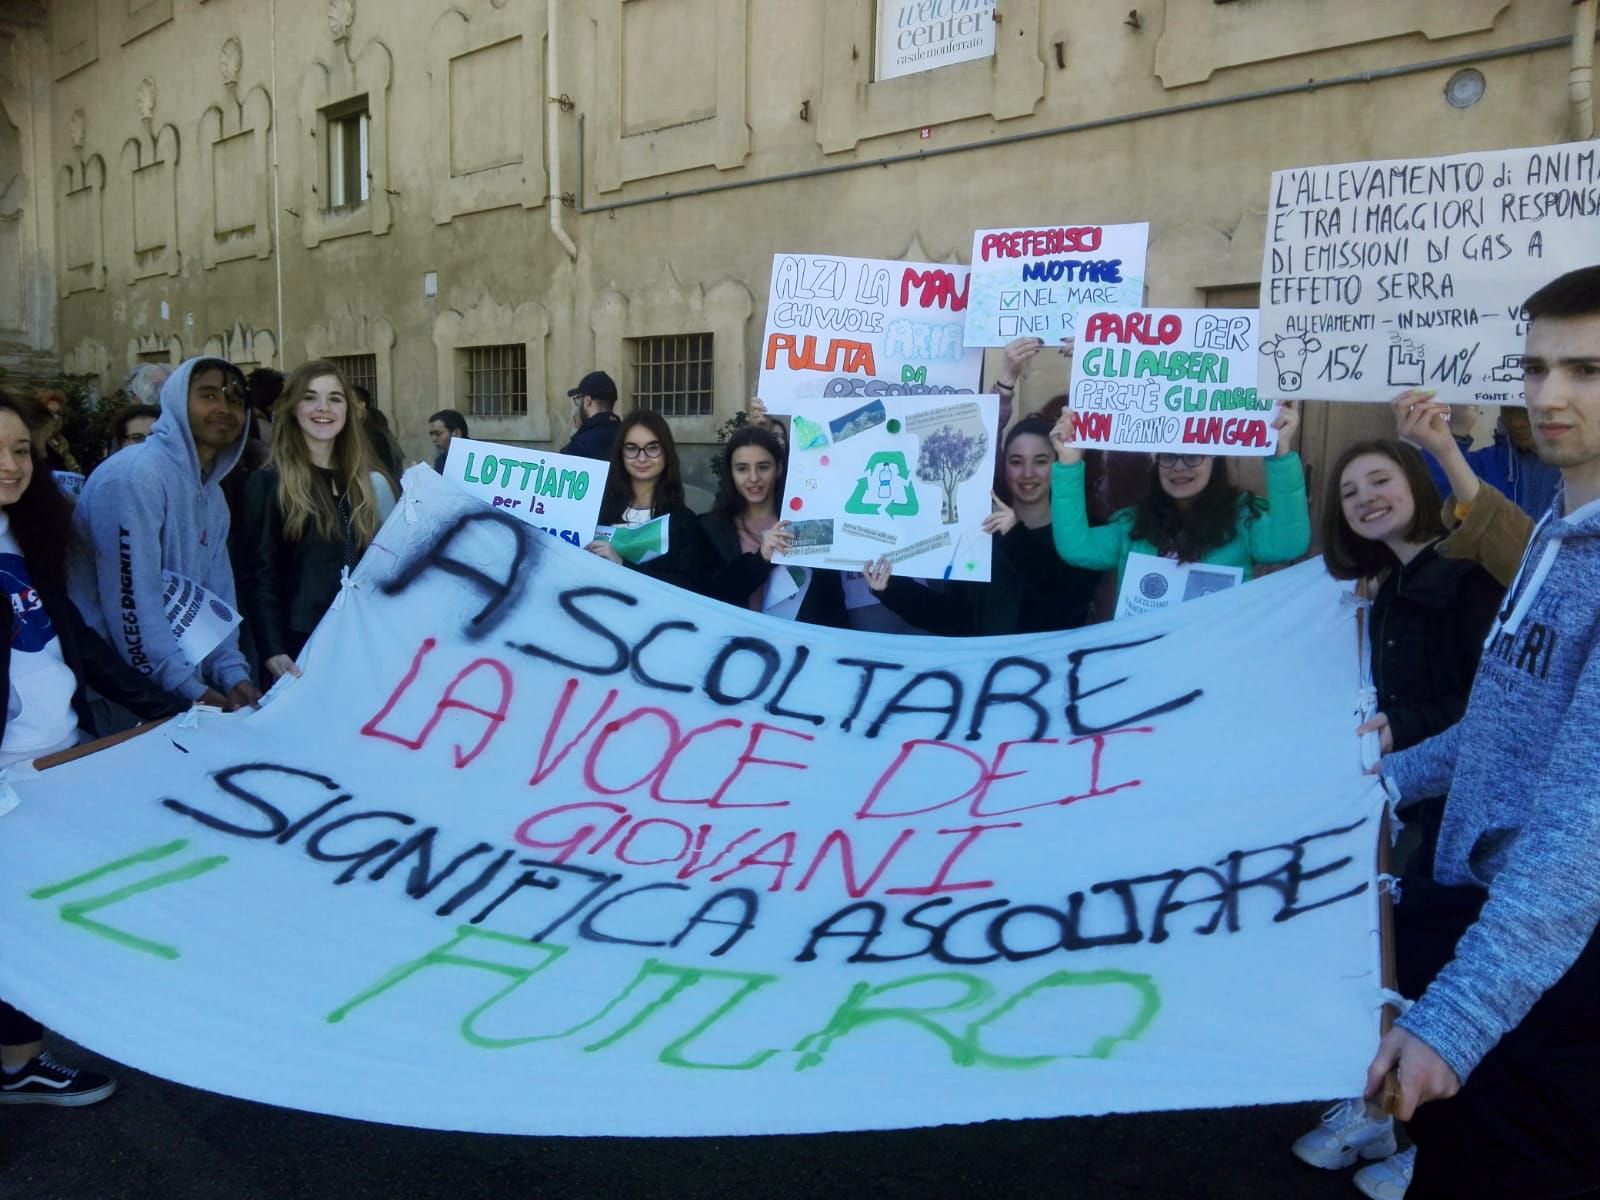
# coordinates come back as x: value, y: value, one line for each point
x: 88, y: 748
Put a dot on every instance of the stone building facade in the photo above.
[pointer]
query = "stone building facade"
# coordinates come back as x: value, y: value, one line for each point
x: 473, y: 202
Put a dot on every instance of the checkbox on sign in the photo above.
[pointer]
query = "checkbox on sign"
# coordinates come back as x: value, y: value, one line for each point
x: 1010, y: 327
x: 1010, y: 301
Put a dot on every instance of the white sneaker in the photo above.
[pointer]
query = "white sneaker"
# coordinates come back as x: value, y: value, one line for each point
x: 1389, y: 1179
x: 1346, y: 1133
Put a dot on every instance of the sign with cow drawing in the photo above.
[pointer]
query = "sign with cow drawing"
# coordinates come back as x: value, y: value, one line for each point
x: 842, y: 328
x: 1157, y: 379
x: 1380, y: 276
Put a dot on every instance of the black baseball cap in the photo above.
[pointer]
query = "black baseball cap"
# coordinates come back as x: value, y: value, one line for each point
x: 598, y: 386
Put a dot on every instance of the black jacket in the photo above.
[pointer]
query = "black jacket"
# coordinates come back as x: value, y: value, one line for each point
x: 285, y: 586
x: 1428, y: 623
x: 1030, y: 591
x: 595, y: 436
x: 680, y: 565
x: 91, y: 662
x: 730, y: 574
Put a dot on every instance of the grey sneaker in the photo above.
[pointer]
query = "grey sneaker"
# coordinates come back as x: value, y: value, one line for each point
x: 1388, y: 1179
x: 45, y: 1081
x: 1345, y: 1134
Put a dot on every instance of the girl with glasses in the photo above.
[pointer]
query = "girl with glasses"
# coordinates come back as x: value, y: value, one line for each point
x: 645, y: 483
x: 309, y: 515
x: 1190, y: 510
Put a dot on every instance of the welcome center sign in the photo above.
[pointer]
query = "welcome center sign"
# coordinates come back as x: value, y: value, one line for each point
x: 541, y: 845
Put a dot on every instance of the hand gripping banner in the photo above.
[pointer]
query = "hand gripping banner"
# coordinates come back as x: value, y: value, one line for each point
x: 540, y: 845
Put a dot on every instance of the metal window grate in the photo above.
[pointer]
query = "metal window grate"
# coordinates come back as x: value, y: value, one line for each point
x: 497, y: 380
x: 359, y: 370
x: 673, y: 375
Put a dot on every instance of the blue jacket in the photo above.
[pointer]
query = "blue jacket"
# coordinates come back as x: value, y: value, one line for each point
x: 1517, y: 475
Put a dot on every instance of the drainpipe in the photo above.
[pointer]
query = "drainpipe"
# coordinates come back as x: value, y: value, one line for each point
x: 553, y: 134
x: 277, y: 204
x: 1580, y: 79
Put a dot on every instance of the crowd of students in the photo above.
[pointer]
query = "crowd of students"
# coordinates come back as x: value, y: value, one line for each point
x: 272, y: 519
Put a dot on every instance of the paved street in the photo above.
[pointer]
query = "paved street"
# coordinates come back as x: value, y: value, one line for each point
x: 159, y: 1141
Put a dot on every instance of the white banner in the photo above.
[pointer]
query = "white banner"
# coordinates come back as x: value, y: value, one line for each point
x: 1031, y: 282
x: 557, y: 493
x: 1157, y: 379
x: 864, y: 327
x: 909, y: 480
x: 1404, y: 273
x: 541, y: 845
x: 919, y: 35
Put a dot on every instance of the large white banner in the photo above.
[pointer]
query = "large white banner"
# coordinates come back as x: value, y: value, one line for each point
x: 1404, y: 273
x: 541, y: 845
x: 841, y: 326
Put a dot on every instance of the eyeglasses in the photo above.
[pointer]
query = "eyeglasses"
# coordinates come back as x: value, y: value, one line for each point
x: 1171, y: 460
x: 648, y: 450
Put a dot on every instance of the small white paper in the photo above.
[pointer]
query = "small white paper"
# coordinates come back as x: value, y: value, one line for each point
x: 1150, y: 584
x: 200, y: 621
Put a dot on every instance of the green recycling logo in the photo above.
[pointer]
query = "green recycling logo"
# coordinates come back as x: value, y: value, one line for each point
x: 885, y: 488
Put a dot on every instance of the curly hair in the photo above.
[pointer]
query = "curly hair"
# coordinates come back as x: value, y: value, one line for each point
x: 1210, y: 520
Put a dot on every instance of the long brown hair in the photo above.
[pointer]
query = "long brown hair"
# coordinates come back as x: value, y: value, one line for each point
x: 1347, y: 554
x: 668, y: 493
x: 729, y: 502
x: 306, y: 504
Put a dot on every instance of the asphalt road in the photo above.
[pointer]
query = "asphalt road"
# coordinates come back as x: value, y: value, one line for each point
x: 156, y: 1140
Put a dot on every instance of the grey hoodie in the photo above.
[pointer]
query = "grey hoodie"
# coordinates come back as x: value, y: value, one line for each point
x: 1522, y: 768
x: 145, y: 510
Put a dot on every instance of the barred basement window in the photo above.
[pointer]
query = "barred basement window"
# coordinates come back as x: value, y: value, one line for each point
x: 497, y: 381
x: 673, y: 374
x: 359, y: 370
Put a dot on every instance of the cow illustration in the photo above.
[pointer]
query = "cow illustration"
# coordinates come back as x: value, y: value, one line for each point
x: 1291, y: 352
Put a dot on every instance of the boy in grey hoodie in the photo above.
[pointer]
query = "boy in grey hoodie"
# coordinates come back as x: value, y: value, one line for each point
x: 1500, y: 1057
x: 157, y: 507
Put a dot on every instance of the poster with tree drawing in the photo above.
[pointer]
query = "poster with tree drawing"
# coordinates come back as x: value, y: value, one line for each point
x: 899, y: 476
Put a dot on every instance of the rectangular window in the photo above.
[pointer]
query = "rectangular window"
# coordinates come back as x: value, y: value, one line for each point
x: 673, y: 374
x: 163, y: 357
x: 497, y: 380
x: 359, y: 370
x: 349, y: 184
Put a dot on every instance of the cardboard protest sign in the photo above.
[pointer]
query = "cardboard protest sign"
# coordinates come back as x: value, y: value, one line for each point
x: 1170, y: 379
x: 1379, y: 276
x: 200, y: 619
x: 1151, y: 583
x: 864, y: 327
x: 906, y: 479
x: 919, y: 35
x: 557, y: 493
x: 1030, y: 282
x: 538, y: 844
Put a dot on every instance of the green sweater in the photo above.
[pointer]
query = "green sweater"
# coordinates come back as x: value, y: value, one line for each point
x: 1277, y: 531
